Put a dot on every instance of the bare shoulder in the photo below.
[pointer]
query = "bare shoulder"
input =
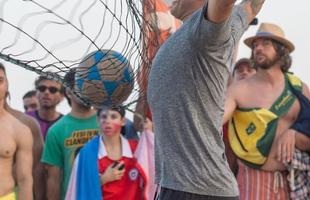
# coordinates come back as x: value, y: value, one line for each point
x: 29, y: 121
x: 240, y: 87
x: 21, y: 130
x: 20, y: 126
x: 26, y: 120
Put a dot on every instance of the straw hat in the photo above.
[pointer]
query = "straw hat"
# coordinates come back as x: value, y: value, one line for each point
x: 272, y: 31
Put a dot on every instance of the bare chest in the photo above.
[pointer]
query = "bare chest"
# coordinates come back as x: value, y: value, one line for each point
x: 271, y: 100
x: 7, y: 143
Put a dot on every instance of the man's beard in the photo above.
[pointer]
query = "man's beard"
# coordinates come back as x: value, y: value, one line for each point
x: 267, y: 63
x: 50, y: 106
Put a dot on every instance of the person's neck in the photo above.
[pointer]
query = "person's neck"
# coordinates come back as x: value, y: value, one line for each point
x: 2, y: 106
x: 48, y: 114
x: 272, y: 76
x: 81, y: 111
x: 112, y: 142
x: 7, y: 106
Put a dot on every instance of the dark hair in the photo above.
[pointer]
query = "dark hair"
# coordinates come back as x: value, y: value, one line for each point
x: 69, y: 82
x: 2, y: 68
x: 119, y: 109
x: 284, y: 56
x: 29, y: 94
x: 69, y: 78
x: 241, y: 61
x: 43, y: 78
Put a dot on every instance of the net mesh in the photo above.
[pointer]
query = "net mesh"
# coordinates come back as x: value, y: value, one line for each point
x: 52, y: 37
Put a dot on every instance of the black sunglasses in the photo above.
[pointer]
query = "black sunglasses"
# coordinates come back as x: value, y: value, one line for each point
x: 51, y: 89
x: 33, y: 106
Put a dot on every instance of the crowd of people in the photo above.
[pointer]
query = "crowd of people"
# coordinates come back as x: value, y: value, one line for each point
x: 217, y: 134
x: 40, y: 145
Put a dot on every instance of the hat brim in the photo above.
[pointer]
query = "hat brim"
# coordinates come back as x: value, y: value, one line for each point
x: 287, y: 43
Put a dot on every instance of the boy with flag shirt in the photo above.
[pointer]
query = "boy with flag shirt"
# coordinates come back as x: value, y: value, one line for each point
x: 113, y: 158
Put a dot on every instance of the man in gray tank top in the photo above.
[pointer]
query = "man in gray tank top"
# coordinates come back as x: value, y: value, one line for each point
x: 186, y: 94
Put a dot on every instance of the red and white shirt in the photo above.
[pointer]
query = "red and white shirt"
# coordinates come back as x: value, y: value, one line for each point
x: 132, y: 185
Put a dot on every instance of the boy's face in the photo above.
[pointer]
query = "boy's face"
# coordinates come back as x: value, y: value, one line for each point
x: 243, y: 71
x: 111, y: 122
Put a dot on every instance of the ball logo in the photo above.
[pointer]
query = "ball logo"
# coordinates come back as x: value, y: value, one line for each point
x: 133, y: 174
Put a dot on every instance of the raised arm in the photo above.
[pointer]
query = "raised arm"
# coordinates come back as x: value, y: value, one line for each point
x: 24, y: 162
x: 252, y: 7
x: 219, y: 10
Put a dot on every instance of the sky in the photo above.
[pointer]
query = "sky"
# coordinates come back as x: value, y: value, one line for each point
x: 293, y: 18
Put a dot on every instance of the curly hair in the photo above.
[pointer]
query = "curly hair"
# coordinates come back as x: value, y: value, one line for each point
x: 284, y: 56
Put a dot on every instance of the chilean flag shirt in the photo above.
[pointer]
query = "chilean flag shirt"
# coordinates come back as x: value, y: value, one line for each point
x: 131, y: 185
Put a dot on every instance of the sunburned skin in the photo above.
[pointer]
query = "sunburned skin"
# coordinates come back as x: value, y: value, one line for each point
x: 110, y: 122
x: 111, y: 129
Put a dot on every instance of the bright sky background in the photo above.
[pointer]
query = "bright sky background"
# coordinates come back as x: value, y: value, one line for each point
x: 293, y: 18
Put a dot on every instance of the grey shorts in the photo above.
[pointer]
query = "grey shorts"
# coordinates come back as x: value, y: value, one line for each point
x: 168, y: 194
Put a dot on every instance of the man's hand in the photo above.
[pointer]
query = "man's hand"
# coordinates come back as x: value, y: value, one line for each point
x: 148, y: 125
x: 252, y: 7
x: 112, y: 173
x: 286, y: 146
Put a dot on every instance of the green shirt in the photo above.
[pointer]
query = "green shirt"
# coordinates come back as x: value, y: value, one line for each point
x: 63, y: 142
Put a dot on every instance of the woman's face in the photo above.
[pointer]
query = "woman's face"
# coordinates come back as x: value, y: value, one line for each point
x: 110, y: 122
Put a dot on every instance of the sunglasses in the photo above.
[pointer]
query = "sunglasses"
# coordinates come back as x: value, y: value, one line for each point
x: 51, y: 89
x: 32, y: 106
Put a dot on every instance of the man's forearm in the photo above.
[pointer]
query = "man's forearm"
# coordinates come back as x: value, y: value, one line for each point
x: 53, y: 189
x: 219, y: 10
x: 302, y: 142
x: 53, y: 183
x: 252, y: 7
x: 25, y: 188
x: 39, y: 182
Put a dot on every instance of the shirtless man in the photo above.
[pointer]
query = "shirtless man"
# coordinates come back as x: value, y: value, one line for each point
x: 263, y: 109
x: 15, y: 149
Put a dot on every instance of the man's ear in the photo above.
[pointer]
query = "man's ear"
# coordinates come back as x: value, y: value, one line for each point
x: 123, y: 121
x: 69, y: 93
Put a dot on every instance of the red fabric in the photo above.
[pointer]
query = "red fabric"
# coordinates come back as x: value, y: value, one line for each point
x: 156, y: 33
x: 149, y: 113
x: 131, y: 186
x: 225, y: 131
x: 261, y: 185
x: 231, y: 157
